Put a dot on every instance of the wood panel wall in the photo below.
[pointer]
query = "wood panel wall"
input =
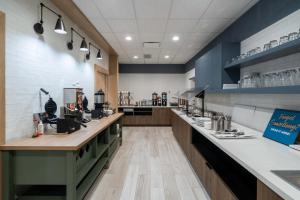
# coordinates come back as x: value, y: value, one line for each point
x: 2, y: 90
x: 113, y: 81
x: 101, y: 79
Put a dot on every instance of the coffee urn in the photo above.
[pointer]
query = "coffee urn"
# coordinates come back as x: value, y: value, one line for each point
x: 99, y: 104
x: 164, y: 100
x: 154, y: 99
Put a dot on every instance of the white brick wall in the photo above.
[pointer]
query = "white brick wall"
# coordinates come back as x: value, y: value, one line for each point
x: 34, y: 62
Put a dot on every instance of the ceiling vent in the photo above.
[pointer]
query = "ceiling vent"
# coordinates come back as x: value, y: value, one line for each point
x: 147, y: 56
x: 151, y: 45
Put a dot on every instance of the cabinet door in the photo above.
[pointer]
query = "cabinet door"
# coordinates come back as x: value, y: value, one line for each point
x: 161, y: 116
x: 265, y: 193
x: 186, y: 134
x: 221, y: 190
x: 198, y: 163
x: 209, y: 178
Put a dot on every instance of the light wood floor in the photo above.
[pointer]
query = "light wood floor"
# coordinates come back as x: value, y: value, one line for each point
x: 149, y: 166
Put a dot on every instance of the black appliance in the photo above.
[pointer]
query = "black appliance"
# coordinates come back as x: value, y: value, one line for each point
x: 164, y: 99
x: 154, y: 99
x: 68, y: 125
x: 98, y: 112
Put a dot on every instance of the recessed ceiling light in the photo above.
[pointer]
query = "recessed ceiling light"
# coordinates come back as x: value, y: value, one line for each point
x: 128, y: 38
x: 167, y: 56
x: 175, y: 38
x: 135, y: 57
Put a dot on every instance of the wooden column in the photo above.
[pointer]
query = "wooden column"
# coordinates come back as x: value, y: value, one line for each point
x: 2, y: 90
x: 113, y: 81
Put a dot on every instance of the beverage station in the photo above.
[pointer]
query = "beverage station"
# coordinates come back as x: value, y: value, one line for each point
x: 140, y: 100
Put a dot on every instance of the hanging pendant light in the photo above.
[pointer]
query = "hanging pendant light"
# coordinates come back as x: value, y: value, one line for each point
x: 99, y: 55
x: 83, y: 46
x: 60, y: 26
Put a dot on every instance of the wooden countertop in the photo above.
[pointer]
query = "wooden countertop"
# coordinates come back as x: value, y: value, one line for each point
x: 66, y: 142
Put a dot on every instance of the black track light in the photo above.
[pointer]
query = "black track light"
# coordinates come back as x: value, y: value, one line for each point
x: 88, y: 55
x: 99, y: 55
x: 83, y: 45
x: 59, y: 27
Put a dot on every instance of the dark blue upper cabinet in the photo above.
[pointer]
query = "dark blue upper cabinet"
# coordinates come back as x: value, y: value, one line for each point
x: 209, y: 67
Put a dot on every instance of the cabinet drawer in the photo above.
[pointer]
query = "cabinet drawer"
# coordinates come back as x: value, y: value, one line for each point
x: 84, y: 155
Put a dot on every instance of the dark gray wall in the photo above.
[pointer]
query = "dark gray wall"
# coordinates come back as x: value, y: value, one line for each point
x: 260, y: 16
x: 152, y: 68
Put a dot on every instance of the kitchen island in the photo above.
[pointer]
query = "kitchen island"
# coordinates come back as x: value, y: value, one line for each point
x: 60, y: 166
x: 236, y: 168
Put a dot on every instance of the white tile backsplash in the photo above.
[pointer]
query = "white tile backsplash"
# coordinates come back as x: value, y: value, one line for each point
x: 34, y: 62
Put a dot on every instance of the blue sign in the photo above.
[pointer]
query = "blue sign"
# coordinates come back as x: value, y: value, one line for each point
x: 284, y: 126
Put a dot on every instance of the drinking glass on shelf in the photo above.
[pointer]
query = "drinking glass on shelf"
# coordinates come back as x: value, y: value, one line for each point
x: 275, y: 80
x: 255, y: 80
x: 267, y: 80
x: 283, y: 39
x: 243, y: 56
x: 298, y: 76
x: 273, y: 43
x: 266, y: 46
x: 294, y: 74
x: 246, y: 81
x: 257, y: 50
x: 293, y: 36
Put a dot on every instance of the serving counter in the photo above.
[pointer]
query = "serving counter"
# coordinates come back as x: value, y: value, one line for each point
x: 236, y: 168
x: 60, y: 166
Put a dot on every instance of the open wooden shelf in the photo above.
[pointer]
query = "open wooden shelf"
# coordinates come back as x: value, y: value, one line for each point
x: 273, y: 53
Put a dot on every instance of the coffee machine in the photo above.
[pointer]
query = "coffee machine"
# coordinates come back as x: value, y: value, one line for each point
x: 164, y: 100
x: 98, y: 112
x: 71, y: 113
x: 154, y: 99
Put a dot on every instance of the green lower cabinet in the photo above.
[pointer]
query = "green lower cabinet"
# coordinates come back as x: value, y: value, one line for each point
x: 58, y: 175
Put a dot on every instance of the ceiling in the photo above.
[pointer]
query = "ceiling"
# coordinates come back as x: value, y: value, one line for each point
x: 196, y: 22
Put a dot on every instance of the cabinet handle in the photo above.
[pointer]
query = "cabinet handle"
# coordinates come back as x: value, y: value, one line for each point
x: 81, y: 152
x: 208, y: 165
x: 87, y: 148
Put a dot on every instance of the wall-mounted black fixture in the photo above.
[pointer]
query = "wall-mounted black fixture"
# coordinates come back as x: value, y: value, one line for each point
x: 83, y: 45
x: 99, y: 55
x: 59, y: 26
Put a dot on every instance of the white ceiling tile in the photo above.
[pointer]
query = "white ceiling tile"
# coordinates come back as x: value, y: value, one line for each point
x: 115, y: 9
x: 225, y: 9
x: 109, y: 37
x: 100, y: 25
x: 154, y: 52
x: 164, y: 61
x: 152, y: 9
x: 129, y: 46
x: 196, y: 22
x: 123, y: 26
x: 121, y: 37
x: 189, y: 9
x: 153, y: 37
x: 152, y: 26
x: 151, y: 61
x: 89, y: 9
x: 212, y: 25
x: 138, y: 61
x: 181, y: 25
